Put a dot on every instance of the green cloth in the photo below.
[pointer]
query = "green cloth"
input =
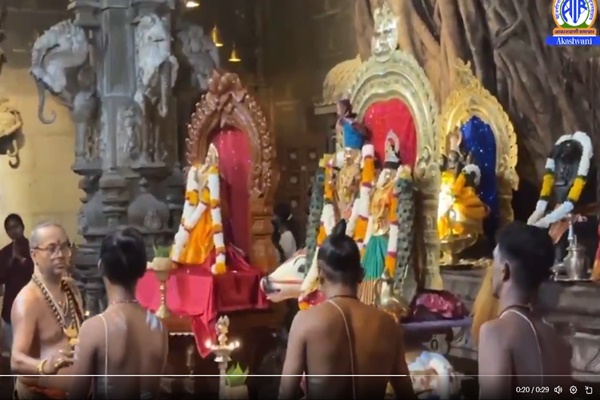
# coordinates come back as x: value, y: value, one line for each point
x: 374, y: 258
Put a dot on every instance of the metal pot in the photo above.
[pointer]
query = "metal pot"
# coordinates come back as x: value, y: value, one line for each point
x: 389, y: 301
x: 576, y: 265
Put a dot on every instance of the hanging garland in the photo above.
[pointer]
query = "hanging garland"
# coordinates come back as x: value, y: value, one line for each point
x: 538, y: 218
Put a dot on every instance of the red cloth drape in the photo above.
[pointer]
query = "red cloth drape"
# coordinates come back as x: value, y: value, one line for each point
x: 192, y: 291
x: 235, y: 165
x: 394, y: 115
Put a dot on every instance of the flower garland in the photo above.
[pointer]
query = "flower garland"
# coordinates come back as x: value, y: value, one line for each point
x: 219, y: 266
x: 538, y: 218
x: 192, y: 210
x: 364, y: 198
x: 404, y: 173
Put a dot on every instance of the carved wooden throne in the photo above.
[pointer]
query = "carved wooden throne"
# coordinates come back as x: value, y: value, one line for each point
x: 230, y: 118
x: 488, y: 135
x: 392, y: 92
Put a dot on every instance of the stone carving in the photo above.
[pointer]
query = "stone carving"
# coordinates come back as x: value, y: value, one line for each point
x: 63, y: 48
x: 228, y: 103
x: 156, y: 67
x: 131, y: 143
x: 10, y: 126
x: 201, y: 54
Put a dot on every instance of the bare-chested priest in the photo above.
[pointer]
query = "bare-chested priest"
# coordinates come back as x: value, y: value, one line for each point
x: 518, y: 349
x: 344, y: 336
x: 46, y: 316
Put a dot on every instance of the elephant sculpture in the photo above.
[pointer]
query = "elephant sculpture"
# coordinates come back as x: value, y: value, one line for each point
x: 200, y: 53
x: 61, y: 49
x: 156, y: 66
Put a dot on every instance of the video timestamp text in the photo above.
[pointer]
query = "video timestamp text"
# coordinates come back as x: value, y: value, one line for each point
x: 533, y: 389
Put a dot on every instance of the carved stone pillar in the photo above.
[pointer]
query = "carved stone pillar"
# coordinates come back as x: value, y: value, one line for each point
x: 121, y: 112
x: 114, y: 67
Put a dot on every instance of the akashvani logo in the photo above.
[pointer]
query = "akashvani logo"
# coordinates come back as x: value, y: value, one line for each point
x: 574, y: 21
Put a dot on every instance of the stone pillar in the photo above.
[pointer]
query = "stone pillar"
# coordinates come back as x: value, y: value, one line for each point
x: 115, y: 68
x: 124, y: 152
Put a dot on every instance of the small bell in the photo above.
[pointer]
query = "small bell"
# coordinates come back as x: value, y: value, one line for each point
x: 234, y: 56
x: 216, y: 36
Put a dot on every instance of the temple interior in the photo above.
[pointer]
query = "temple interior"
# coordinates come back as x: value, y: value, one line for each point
x: 427, y: 125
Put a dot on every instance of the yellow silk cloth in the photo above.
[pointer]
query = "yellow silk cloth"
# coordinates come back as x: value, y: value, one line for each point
x: 467, y: 206
x: 200, y: 243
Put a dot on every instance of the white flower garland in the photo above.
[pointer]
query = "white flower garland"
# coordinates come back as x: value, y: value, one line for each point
x: 190, y: 215
x: 537, y: 218
x: 217, y: 221
x: 404, y: 172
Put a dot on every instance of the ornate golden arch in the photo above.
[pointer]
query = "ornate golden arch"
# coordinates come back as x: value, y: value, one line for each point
x: 227, y: 103
x: 396, y: 74
x: 470, y: 99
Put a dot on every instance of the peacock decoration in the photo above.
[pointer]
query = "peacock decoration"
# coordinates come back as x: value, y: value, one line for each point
x: 406, y: 216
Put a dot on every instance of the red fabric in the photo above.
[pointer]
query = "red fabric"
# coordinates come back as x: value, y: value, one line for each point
x: 394, y: 115
x: 192, y: 291
x: 437, y: 304
x: 235, y: 165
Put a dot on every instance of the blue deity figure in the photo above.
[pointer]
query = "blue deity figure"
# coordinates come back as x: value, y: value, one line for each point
x: 354, y: 134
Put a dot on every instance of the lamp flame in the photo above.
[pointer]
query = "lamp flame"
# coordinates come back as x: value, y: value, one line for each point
x: 216, y: 37
x: 234, y: 58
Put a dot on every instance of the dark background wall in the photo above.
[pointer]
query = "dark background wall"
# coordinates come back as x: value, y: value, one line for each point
x: 303, y: 40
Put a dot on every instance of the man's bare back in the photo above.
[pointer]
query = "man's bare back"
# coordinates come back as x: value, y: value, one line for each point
x: 509, y: 357
x: 318, y: 335
x: 37, y: 336
x: 137, y: 345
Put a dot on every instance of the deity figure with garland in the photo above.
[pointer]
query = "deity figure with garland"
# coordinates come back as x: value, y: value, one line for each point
x: 349, y: 178
x: 201, y: 236
x: 350, y: 133
x: 381, y: 240
x: 461, y: 211
x: 566, y: 192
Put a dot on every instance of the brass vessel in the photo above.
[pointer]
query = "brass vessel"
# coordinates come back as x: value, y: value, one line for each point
x: 389, y: 301
x: 452, y: 245
x: 576, y: 265
x: 162, y: 267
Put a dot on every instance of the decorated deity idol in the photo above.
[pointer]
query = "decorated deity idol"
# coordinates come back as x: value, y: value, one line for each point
x: 564, y: 191
x: 349, y: 177
x: 200, y: 234
x: 461, y: 212
x: 351, y: 133
x: 381, y: 240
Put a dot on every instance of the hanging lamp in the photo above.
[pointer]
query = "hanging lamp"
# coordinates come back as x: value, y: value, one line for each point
x: 216, y: 36
x: 234, y: 58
